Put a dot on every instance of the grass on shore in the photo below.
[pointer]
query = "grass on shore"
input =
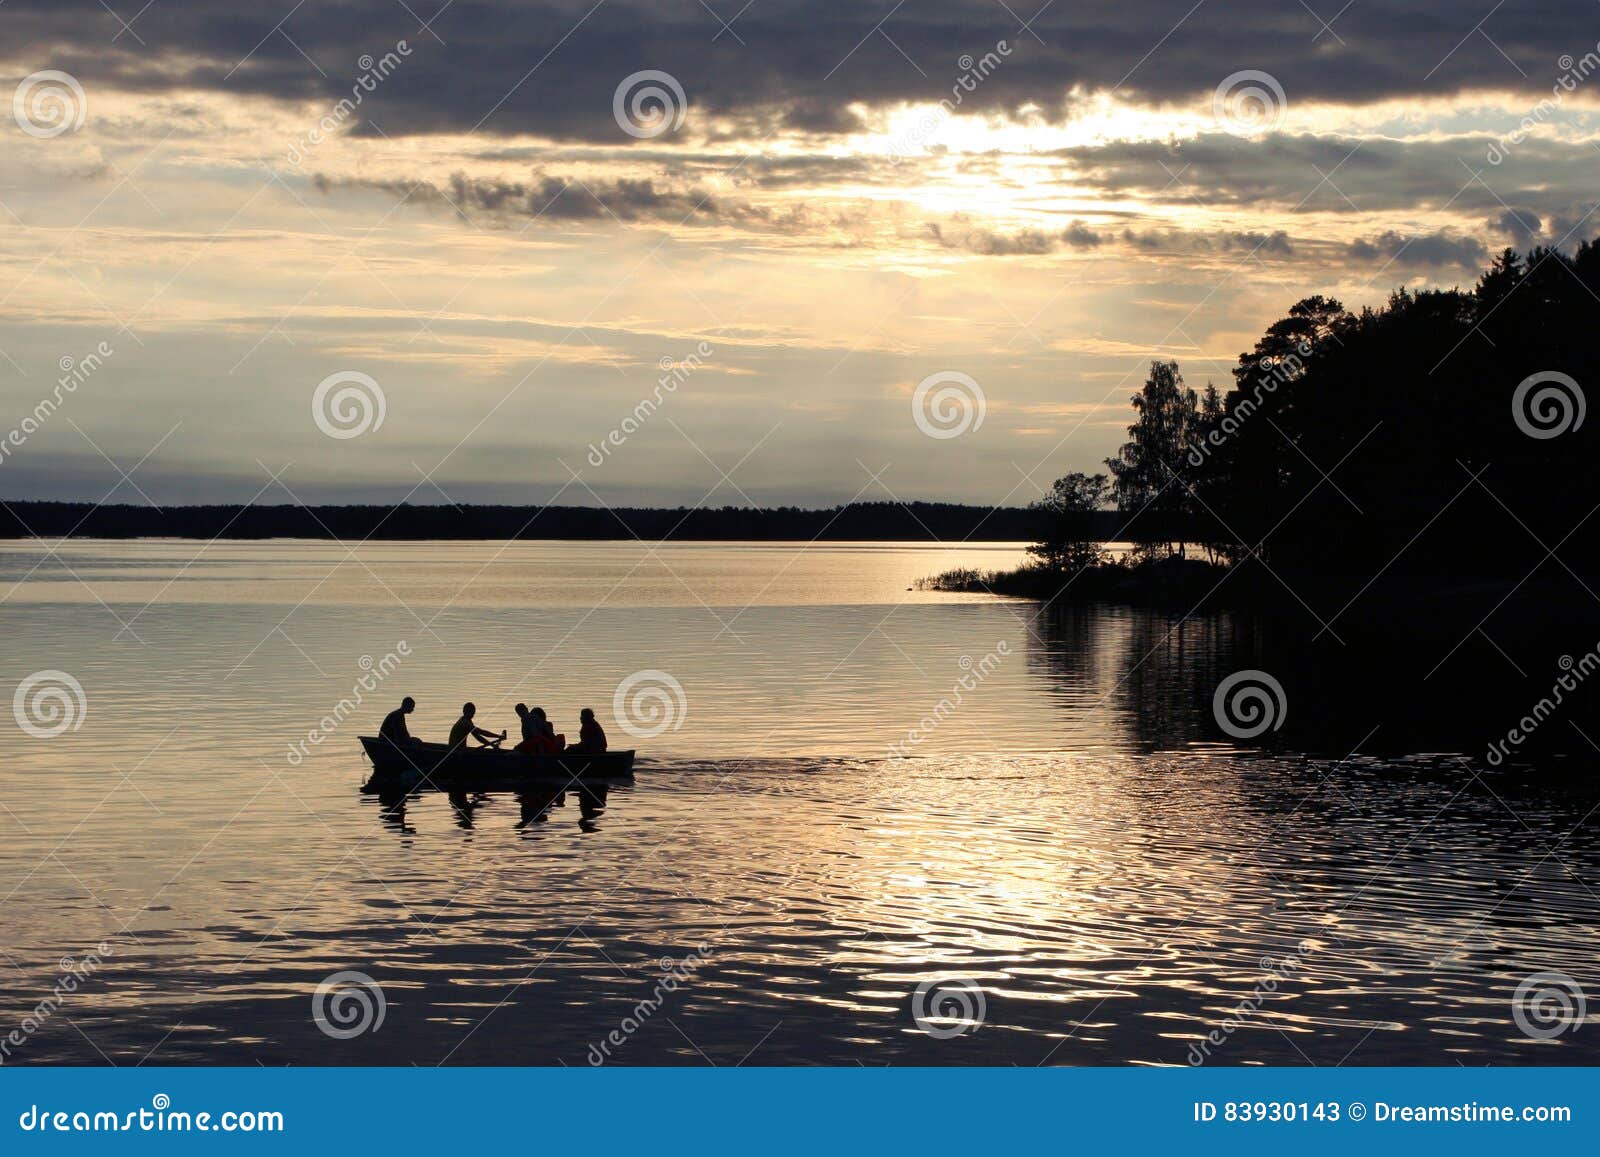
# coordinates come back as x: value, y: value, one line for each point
x: 1145, y: 581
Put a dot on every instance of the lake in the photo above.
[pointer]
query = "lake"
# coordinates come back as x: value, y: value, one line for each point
x: 870, y: 824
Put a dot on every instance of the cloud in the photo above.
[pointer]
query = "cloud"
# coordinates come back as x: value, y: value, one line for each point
x: 989, y: 243
x: 1424, y: 250
x: 550, y: 68
x: 1037, y: 242
x: 1276, y: 243
x: 558, y: 199
x: 1335, y: 173
x: 1080, y: 236
x: 1522, y: 226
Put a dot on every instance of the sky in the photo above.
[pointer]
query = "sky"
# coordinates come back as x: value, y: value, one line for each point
x: 719, y: 252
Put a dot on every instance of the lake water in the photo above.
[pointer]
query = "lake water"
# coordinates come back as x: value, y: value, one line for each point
x: 870, y: 825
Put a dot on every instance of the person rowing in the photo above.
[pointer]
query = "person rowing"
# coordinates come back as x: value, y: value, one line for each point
x: 465, y: 729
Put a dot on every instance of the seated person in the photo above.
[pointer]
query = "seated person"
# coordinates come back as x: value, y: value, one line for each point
x: 465, y: 729
x: 394, y: 727
x: 530, y: 730
x: 539, y: 738
x: 591, y: 736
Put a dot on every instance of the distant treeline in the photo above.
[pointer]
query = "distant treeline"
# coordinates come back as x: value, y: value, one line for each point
x: 912, y: 522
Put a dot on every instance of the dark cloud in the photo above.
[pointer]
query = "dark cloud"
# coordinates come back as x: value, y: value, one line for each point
x: 1340, y: 174
x: 1422, y: 250
x: 1080, y: 236
x: 551, y: 67
x: 1522, y: 226
x: 989, y: 243
x: 1276, y: 243
x: 551, y: 198
x: 558, y: 199
x: 1035, y: 242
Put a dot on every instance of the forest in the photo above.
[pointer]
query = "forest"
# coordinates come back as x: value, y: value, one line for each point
x: 1431, y: 443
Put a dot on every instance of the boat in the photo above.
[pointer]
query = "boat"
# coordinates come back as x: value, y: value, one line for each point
x: 437, y: 765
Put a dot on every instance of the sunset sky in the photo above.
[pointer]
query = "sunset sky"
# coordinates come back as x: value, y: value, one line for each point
x: 510, y: 250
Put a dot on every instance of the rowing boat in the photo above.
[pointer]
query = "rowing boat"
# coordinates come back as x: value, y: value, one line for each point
x: 485, y: 768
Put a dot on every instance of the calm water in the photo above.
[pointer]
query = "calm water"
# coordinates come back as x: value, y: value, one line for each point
x: 1070, y: 851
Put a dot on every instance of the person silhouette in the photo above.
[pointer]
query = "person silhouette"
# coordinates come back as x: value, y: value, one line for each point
x: 591, y: 736
x: 530, y: 730
x: 394, y: 727
x: 551, y: 742
x: 465, y: 729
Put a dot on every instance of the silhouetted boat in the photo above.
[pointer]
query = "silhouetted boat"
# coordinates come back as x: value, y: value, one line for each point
x: 485, y: 768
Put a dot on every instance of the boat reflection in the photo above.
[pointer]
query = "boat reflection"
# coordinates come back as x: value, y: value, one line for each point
x: 535, y: 804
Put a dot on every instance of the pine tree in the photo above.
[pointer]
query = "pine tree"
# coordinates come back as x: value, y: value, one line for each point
x: 1147, y: 473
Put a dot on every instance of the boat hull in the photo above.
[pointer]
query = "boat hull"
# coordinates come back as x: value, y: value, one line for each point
x: 436, y: 765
